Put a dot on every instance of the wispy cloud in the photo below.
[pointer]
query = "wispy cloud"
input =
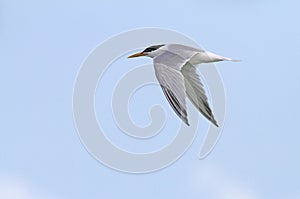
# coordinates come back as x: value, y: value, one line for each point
x: 14, y: 188
x: 218, y: 184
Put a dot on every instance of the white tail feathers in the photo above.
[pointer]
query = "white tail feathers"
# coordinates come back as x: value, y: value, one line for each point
x: 234, y: 60
x: 208, y: 57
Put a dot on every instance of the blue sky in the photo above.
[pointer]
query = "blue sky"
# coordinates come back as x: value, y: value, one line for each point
x: 43, y: 45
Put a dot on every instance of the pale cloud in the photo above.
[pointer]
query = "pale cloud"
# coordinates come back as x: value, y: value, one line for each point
x: 14, y: 188
x: 218, y: 184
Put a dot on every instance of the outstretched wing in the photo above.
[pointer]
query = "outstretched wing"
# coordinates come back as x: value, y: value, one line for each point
x: 172, y: 83
x: 195, y: 91
x: 178, y: 78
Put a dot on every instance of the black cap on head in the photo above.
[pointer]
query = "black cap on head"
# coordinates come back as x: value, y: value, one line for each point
x: 152, y: 48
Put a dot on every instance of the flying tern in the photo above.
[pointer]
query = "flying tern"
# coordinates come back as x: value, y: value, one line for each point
x: 175, y: 70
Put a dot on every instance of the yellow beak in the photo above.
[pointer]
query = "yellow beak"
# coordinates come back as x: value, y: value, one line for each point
x: 137, y: 55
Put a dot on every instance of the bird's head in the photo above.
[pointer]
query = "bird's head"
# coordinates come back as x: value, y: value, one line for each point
x: 151, y: 51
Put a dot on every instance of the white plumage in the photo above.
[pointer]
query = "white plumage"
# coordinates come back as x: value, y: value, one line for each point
x: 175, y: 69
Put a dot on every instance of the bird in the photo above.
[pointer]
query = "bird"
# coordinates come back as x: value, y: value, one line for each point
x: 175, y: 68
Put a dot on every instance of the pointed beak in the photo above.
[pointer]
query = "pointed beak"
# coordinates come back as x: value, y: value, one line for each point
x: 137, y: 55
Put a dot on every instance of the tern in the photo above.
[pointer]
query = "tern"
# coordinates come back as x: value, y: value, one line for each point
x: 175, y: 70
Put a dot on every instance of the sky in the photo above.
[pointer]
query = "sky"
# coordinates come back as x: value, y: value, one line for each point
x: 44, y: 43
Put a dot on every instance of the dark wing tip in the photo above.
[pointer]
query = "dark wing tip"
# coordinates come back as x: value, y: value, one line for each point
x: 216, y: 124
x: 185, y: 120
x: 177, y: 107
x: 214, y: 121
x: 187, y: 123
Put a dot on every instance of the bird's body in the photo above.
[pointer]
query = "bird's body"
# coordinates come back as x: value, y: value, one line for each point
x: 175, y: 69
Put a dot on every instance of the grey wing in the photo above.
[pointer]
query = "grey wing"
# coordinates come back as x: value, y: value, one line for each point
x: 170, y: 60
x: 185, y: 52
x: 196, y: 92
x: 172, y: 84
